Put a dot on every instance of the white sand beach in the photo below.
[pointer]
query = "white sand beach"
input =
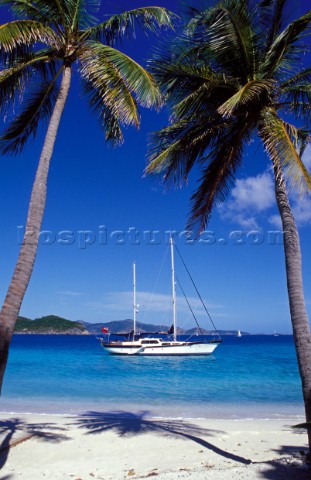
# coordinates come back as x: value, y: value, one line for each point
x: 133, y: 445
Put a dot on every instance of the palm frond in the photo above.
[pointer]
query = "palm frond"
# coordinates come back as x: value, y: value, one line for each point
x: 175, y: 149
x: 119, y: 81
x: 53, y: 12
x: 13, y: 81
x: 25, y: 32
x: 286, y: 47
x: 38, y: 107
x: 251, y: 93
x: 171, y: 72
x: 111, y: 125
x: 296, y: 94
x: 297, y: 99
x: 83, y: 14
x: 227, y: 31
x: 271, y: 18
x: 204, y: 100
x: 301, y: 77
x: 137, y: 79
x: 218, y: 177
x: 111, y: 91
x: 186, y: 81
x: 24, y: 9
x: 119, y: 26
x: 108, y: 117
x: 282, y: 141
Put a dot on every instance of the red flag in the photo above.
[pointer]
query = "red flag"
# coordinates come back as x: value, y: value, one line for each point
x: 105, y: 330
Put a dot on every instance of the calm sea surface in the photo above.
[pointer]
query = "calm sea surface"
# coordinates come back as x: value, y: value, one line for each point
x: 252, y: 376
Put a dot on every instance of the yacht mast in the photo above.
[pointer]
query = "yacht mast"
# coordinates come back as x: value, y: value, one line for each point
x: 134, y: 302
x: 173, y: 289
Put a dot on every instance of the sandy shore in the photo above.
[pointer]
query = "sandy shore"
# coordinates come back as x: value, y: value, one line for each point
x: 124, y: 445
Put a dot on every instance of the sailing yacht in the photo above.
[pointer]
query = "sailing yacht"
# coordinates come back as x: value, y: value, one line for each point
x: 158, y: 346
x: 239, y: 334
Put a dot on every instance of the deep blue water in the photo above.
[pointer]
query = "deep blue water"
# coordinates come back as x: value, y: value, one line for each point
x: 252, y: 376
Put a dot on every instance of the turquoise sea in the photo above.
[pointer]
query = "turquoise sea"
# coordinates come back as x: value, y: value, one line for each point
x: 248, y: 377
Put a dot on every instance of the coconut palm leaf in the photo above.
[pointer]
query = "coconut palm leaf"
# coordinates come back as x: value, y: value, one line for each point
x: 25, y: 32
x: 228, y: 35
x: 24, y: 8
x: 14, y: 80
x: 176, y: 73
x: 204, y: 100
x: 108, y: 116
x: 254, y: 91
x: 222, y: 75
x: 119, y: 82
x: 137, y: 79
x: 119, y: 26
x: 191, y: 85
x: 271, y: 18
x: 83, y: 14
x: 300, y: 77
x: 286, y: 47
x: 218, y: 177
x: 298, y: 99
x: 38, y: 108
x: 176, y: 148
x: 111, y: 125
x: 115, y: 83
x: 296, y: 94
x: 282, y: 141
x: 107, y: 87
x: 54, y: 12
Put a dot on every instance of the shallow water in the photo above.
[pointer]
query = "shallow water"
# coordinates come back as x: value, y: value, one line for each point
x: 252, y: 376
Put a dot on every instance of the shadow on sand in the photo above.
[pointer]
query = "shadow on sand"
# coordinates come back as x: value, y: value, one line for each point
x: 23, y: 431
x: 127, y: 424
x: 289, y: 463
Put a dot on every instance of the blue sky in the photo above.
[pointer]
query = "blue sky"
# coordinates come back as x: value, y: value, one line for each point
x: 98, y: 199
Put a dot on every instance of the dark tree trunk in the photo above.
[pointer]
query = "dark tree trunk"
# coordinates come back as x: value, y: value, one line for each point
x: 28, y: 251
x: 298, y: 313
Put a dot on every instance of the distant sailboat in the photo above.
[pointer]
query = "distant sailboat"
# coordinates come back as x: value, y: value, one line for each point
x: 239, y: 334
x: 275, y: 334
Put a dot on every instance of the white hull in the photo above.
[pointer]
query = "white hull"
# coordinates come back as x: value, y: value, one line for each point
x: 149, y: 350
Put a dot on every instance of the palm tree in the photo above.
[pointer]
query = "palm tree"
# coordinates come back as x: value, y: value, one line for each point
x: 39, y: 51
x: 236, y: 72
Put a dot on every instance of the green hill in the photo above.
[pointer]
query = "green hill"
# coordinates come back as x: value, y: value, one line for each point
x: 50, y: 324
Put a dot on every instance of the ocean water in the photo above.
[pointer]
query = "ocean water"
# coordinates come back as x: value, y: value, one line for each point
x: 248, y: 377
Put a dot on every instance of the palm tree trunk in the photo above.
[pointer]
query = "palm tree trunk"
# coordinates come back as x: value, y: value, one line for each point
x: 28, y: 251
x: 299, y: 317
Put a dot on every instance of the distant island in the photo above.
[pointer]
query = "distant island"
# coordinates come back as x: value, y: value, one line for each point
x: 54, y: 325
x: 49, y: 325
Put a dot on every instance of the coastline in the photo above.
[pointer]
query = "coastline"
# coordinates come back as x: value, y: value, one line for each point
x: 118, y: 445
x: 156, y: 410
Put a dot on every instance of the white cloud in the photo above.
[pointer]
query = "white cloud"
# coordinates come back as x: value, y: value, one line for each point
x: 254, y: 193
x: 245, y: 221
x: 276, y: 221
x: 249, y: 197
x: 254, y: 196
x: 302, y: 210
x: 153, y: 302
